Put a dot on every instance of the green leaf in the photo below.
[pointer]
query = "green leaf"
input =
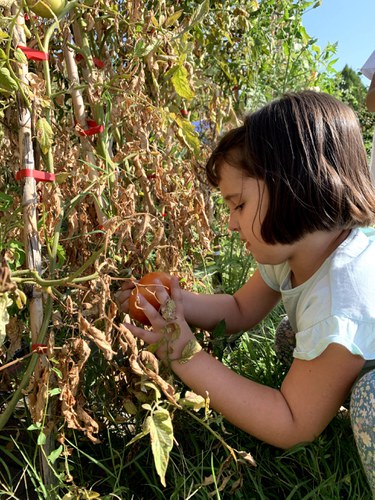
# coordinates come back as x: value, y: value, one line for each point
x: 173, y: 18
x: 147, y: 407
x: 54, y: 455
x: 198, y: 15
x: 181, y: 84
x: 141, y: 50
x: 41, y: 439
x: 18, y: 255
x: 55, y: 391
x: 170, y: 72
x: 5, y: 201
x: 20, y: 56
x: 44, y: 135
x: 57, y: 371
x: 140, y: 435
x: 161, y: 433
x: 7, y: 83
x: 34, y: 427
x: 189, y: 135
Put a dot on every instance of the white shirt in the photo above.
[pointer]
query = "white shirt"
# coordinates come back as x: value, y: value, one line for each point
x: 336, y: 304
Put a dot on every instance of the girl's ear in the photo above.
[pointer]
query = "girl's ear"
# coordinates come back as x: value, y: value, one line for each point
x: 370, y: 98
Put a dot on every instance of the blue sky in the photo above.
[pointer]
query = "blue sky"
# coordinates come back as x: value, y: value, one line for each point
x: 350, y: 23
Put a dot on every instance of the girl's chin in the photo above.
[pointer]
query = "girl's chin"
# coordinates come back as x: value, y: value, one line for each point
x: 248, y: 250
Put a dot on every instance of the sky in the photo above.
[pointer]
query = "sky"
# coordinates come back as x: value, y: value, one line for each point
x: 350, y: 23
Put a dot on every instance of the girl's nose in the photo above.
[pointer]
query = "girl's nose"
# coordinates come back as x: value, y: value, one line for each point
x: 233, y: 224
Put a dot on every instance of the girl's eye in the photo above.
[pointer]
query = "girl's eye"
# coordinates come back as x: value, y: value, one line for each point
x: 239, y: 207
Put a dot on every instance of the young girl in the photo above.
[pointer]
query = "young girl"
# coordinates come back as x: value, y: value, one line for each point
x: 297, y: 184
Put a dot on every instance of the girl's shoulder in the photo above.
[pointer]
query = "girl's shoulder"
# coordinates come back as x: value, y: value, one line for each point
x: 357, y: 250
x: 369, y: 232
x: 356, y: 254
x: 275, y: 275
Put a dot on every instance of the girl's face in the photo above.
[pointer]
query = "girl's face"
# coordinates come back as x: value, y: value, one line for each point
x: 247, y: 199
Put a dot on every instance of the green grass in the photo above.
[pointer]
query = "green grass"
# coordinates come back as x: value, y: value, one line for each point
x: 200, y: 466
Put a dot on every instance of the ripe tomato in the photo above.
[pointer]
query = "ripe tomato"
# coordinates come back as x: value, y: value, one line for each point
x: 146, y: 287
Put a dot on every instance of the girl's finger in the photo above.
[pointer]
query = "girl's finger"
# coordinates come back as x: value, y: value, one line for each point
x: 176, y: 295
x: 156, y: 320
x: 161, y: 293
x: 147, y: 336
x: 122, y: 300
x: 128, y: 284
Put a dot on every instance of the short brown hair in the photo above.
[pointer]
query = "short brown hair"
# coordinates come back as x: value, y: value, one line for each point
x: 308, y: 149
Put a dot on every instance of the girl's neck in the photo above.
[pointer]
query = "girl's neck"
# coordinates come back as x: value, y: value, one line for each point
x: 312, y: 251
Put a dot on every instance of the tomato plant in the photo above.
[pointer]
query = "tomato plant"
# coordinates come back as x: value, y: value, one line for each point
x: 147, y: 288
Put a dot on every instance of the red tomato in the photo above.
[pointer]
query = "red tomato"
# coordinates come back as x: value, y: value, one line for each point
x: 146, y: 287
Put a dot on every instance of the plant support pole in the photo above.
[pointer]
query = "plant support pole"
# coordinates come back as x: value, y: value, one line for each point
x: 81, y: 120
x: 31, y: 236
x: 29, y: 199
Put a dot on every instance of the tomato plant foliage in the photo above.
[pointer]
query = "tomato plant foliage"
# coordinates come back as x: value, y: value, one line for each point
x: 123, y: 113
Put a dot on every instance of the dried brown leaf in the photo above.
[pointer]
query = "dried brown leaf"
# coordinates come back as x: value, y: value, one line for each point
x: 97, y: 336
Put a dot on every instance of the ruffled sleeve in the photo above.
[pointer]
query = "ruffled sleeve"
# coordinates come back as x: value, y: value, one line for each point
x: 357, y: 336
x: 274, y: 276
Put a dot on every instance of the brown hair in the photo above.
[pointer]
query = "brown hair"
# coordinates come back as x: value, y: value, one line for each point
x: 308, y: 149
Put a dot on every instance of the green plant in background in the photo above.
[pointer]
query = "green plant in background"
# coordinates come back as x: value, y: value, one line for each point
x: 350, y: 89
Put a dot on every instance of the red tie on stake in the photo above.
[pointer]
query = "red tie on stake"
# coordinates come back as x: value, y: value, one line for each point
x: 93, y: 129
x: 98, y: 62
x: 34, y: 55
x: 38, y: 175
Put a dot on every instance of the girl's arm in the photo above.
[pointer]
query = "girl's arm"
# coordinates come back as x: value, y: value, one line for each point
x: 308, y: 399
x: 310, y: 396
x: 241, y: 311
x: 370, y: 98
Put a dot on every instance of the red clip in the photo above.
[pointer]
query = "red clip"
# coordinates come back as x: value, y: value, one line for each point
x: 93, y: 129
x: 38, y: 175
x: 98, y: 62
x: 35, y: 55
x: 39, y: 348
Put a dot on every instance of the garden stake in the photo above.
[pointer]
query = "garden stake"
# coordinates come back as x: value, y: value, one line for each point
x: 31, y: 236
x: 81, y: 120
x: 30, y: 197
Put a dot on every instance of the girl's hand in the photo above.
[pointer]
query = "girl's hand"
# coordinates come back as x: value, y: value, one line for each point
x: 170, y: 332
x: 122, y: 295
